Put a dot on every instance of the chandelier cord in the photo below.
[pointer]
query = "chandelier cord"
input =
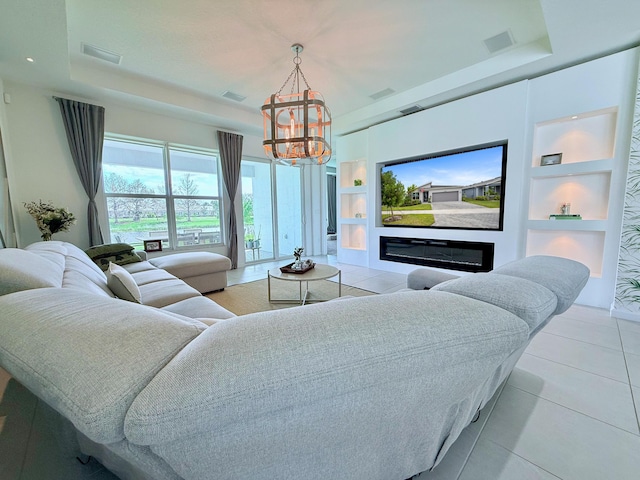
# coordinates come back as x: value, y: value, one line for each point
x: 297, y: 60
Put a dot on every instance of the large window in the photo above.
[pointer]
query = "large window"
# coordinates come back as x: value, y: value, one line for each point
x: 159, y: 191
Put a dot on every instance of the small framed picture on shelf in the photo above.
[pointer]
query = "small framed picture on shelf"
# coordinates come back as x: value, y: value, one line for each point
x: 551, y: 159
x: 152, y: 245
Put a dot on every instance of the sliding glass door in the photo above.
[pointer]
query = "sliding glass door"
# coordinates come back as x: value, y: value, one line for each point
x: 270, y: 233
x: 289, y: 202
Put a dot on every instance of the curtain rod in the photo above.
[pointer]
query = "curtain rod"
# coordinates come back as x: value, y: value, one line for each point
x: 62, y: 98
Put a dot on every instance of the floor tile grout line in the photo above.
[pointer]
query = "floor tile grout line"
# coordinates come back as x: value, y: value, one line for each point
x: 626, y: 366
x: 477, y: 439
x: 597, y: 324
x: 26, y: 451
x: 575, y: 411
x: 525, y: 459
x: 577, y: 368
x: 582, y: 341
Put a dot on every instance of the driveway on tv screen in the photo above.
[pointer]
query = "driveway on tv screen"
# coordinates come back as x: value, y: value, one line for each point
x: 458, y: 214
x: 464, y: 214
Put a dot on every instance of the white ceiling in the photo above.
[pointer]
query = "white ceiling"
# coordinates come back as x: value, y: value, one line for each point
x: 179, y: 57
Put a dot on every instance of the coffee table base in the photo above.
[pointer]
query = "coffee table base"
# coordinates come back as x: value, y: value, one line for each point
x: 303, y: 298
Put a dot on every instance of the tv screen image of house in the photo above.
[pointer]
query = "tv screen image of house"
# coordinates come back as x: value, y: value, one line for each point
x: 459, y: 189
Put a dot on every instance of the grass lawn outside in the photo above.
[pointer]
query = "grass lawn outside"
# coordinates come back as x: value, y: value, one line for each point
x: 483, y: 203
x: 411, y: 220
x: 421, y: 206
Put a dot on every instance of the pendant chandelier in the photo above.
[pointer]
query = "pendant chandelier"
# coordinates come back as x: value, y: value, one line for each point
x: 297, y: 125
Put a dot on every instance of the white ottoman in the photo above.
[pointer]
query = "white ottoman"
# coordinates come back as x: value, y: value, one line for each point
x: 204, y: 271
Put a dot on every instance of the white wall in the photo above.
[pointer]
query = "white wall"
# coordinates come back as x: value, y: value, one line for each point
x: 510, y: 112
x: 607, y: 83
x: 40, y: 165
x: 487, y: 117
x: 6, y: 218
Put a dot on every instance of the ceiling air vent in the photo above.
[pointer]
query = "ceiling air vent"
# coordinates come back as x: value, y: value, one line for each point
x: 234, y: 96
x: 499, y: 42
x: 101, y: 53
x: 410, y: 110
x: 382, y: 93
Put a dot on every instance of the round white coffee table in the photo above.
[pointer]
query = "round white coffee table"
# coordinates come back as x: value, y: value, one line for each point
x: 319, y: 272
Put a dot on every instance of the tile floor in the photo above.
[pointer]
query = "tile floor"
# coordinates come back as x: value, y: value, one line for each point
x: 568, y: 411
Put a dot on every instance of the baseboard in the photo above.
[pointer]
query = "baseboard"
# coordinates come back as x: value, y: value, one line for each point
x: 625, y: 314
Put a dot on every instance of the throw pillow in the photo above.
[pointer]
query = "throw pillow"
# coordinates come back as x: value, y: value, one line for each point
x: 122, y: 283
x: 118, y: 253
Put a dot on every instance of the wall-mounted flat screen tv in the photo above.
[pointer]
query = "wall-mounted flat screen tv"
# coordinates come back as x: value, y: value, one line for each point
x: 459, y: 189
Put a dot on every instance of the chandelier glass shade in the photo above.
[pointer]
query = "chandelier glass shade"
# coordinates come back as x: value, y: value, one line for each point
x: 297, y: 125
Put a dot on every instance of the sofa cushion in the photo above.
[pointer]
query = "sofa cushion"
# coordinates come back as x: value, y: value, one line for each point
x: 528, y: 300
x: 122, y: 283
x: 53, y: 250
x: 163, y: 293
x: 199, y: 307
x: 150, y: 276
x: 564, y: 277
x: 192, y: 264
x: 136, y: 267
x: 88, y: 357
x: 120, y: 253
x: 25, y: 270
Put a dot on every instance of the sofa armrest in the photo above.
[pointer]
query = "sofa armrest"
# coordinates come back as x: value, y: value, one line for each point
x: 85, y: 355
x: 427, y: 278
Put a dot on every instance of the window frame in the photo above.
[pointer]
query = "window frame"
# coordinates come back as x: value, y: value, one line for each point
x: 169, y: 196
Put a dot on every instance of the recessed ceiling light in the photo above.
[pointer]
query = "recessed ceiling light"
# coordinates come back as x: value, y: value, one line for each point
x: 30, y: 59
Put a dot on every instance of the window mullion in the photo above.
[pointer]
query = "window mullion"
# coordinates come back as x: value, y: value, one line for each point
x: 171, y: 214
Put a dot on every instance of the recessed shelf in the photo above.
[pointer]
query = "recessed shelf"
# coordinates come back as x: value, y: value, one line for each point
x: 593, y: 166
x: 353, y: 236
x: 590, y: 136
x: 584, y: 247
x: 352, y: 207
x: 569, y: 225
x: 351, y: 171
x: 353, y: 221
x: 588, y: 194
x: 353, y: 204
x: 582, y: 179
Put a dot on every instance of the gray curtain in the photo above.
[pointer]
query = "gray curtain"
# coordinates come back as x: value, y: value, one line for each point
x: 84, y: 124
x: 230, y: 146
x: 331, y: 202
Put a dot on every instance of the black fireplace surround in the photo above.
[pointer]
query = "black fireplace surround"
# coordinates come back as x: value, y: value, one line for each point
x: 449, y: 254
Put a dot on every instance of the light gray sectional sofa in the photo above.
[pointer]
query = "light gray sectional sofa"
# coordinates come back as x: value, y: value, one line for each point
x: 374, y: 387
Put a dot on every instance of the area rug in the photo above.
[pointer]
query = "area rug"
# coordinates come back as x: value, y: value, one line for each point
x: 253, y: 296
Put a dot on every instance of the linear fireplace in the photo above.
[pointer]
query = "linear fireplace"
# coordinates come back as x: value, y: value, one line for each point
x: 450, y: 254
